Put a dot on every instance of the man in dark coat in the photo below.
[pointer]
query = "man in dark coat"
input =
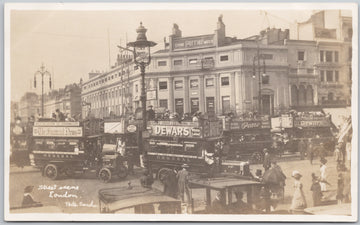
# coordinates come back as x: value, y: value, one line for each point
x: 302, y: 149
x: 170, y: 184
x: 183, y: 183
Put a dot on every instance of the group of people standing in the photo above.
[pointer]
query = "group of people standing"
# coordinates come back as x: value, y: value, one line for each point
x: 319, y: 185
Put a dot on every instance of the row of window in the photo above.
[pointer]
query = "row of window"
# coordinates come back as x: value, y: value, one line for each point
x: 325, y: 56
x: 192, y: 61
x: 329, y: 56
x: 194, y: 83
x: 107, y: 78
x: 329, y: 76
x: 104, y: 96
x: 194, y: 104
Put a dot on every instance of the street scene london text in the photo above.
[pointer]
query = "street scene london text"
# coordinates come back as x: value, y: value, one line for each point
x: 186, y: 112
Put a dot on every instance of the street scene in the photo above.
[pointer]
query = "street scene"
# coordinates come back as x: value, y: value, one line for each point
x: 193, y: 114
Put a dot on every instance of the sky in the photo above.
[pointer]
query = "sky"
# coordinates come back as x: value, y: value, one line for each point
x: 73, y: 43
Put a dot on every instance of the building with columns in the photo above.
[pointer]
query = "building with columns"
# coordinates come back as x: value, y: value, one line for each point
x: 320, y: 60
x: 214, y: 73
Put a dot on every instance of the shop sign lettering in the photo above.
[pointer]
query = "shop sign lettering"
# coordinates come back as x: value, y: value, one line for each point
x: 57, y: 131
x: 176, y: 131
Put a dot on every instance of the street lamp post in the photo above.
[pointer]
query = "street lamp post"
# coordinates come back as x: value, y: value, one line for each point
x: 257, y: 57
x: 142, y: 58
x: 43, y: 73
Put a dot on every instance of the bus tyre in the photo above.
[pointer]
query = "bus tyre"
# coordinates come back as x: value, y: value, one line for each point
x: 163, y: 172
x: 256, y: 157
x: 122, y: 172
x: 51, y: 171
x: 105, y: 175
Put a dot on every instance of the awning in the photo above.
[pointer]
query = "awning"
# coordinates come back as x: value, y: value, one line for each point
x: 338, y: 115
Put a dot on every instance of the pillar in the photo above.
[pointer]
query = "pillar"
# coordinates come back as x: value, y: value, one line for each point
x: 232, y: 89
x: 315, y: 95
x: 201, y: 94
x: 238, y: 89
x: 186, y: 95
x: 171, y: 95
x: 217, y: 94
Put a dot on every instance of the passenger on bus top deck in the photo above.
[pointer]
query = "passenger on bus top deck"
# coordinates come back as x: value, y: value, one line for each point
x: 121, y: 147
x: 18, y: 129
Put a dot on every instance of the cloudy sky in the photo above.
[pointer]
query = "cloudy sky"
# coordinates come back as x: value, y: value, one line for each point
x: 73, y: 43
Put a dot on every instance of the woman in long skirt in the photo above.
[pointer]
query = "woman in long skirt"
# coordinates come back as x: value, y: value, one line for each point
x: 298, y: 203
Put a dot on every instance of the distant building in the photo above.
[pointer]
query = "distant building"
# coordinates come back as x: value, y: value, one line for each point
x: 29, y: 105
x: 111, y: 92
x: 14, y: 110
x: 67, y: 100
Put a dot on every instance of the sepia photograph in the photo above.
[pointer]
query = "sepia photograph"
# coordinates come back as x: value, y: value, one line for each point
x: 181, y: 112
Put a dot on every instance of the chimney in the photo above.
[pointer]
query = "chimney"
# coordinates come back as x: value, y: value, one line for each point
x: 176, y: 32
x: 220, y: 31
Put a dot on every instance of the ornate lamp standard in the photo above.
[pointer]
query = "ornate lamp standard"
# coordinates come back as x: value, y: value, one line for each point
x: 43, y: 73
x: 257, y: 58
x: 142, y: 58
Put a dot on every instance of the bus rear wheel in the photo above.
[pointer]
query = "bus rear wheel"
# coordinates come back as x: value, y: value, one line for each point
x: 122, y: 172
x: 105, y: 175
x: 163, y: 172
x: 51, y: 171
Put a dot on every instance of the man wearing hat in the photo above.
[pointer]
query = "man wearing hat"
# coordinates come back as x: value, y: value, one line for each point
x: 28, y: 200
x: 183, y: 183
x: 150, y: 113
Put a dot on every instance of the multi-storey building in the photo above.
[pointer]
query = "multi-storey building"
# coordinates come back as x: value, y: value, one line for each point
x: 217, y: 74
x: 113, y: 92
x: 214, y: 73
x: 209, y: 73
x: 320, y: 60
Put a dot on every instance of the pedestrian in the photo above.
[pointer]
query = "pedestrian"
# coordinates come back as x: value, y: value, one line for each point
x: 183, y: 183
x: 170, y: 184
x: 340, y: 189
x: 281, y: 177
x: 265, y: 199
x: 348, y: 152
x: 323, y: 174
x: 130, y: 161
x: 217, y: 206
x: 28, y: 200
x: 310, y: 151
x: 150, y: 113
x: 338, y: 157
x: 316, y: 190
x: 267, y: 159
x: 239, y: 207
x: 302, y: 148
x: 59, y: 115
x: 321, y: 151
x: 298, y: 203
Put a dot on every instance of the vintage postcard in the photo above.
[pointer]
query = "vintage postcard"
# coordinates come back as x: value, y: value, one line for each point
x: 181, y: 112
